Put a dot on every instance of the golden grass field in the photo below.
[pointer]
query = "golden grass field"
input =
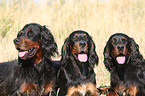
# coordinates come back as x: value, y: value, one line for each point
x: 100, y: 19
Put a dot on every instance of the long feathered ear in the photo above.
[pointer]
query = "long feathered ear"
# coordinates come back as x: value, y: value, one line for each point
x: 107, y: 58
x: 49, y: 46
x: 65, y: 51
x: 93, y: 57
x: 135, y: 56
x: 134, y: 46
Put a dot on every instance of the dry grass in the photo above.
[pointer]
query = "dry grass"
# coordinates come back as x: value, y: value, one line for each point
x: 99, y: 19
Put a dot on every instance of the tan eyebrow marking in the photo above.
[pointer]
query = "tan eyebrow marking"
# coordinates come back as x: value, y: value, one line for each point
x: 114, y: 37
x: 21, y: 32
x: 76, y: 34
x: 29, y: 30
x: 123, y: 38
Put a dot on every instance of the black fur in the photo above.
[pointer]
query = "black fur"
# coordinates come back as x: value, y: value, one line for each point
x: 34, y: 68
x: 72, y: 71
x: 124, y: 76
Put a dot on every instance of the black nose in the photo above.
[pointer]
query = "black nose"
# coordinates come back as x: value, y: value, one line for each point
x: 120, y: 47
x: 82, y: 44
x: 17, y: 41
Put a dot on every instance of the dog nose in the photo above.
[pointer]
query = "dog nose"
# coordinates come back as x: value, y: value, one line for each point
x: 120, y: 47
x: 17, y: 41
x: 82, y: 44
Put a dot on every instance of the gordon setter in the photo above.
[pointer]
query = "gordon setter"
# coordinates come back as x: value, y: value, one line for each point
x: 125, y: 63
x: 33, y: 73
x: 76, y: 76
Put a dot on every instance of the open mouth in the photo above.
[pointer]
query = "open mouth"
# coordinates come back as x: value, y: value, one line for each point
x: 82, y: 57
x: 121, y: 59
x: 30, y: 52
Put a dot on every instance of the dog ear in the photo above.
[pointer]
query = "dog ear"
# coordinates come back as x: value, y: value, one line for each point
x: 49, y: 46
x: 65, y: 51
x: 133, y: 46
x: 93, y: 57
x: 107, y: 58
x: 135, y: 56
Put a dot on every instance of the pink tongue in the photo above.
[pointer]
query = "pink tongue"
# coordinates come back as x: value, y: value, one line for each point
x: 82, y: 57
x: 121, y: 59
x: 21, y: 54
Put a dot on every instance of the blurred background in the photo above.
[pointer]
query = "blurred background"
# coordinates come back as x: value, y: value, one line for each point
x: 100, y: 18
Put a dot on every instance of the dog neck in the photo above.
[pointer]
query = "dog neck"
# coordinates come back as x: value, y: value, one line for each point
x: 83, y: 66
x: 26, y: 63
x: 121, y: 69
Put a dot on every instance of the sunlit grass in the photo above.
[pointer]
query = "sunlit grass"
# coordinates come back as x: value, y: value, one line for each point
x: 99, y: 19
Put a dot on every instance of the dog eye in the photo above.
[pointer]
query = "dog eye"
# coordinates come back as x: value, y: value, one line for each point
x: 113, y: 41
x: 76, y: 37
x: 30, y: 33
x: 85, y: 37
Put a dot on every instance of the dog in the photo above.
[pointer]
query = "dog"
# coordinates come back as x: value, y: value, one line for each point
x: 33, y: 73
x: 124, y: 62
x: 76, y: 76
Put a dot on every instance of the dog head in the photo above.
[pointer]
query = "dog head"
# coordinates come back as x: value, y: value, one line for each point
x: 80, y: 45
x: 35, y: 40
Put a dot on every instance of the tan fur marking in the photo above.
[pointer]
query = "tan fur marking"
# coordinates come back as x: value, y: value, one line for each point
x: 104, y: 89
x: 92, y: 89
x: 29, y: 30
x: 114, y: 37
x: 73, y: 89
x: 89, y: 87
x: 75, y: 49
x: 123, y: 38
x: 48, y: 87
x: 76, y: 34
x: 26, y: 44
x: 27, y: 87
x: 21, y: 32
x: 38, y: 56
x: 132, y: 91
